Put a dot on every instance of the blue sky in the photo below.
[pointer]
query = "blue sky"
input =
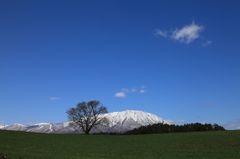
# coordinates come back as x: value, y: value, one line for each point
x: 176, y: 59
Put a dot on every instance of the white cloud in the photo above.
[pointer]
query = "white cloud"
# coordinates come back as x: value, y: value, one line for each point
x: 206, y: 43
x: 54, y: 98
x: 188, y: 33
x: 120, y: 95
x: 143, y: 86
x: 142, y: 91
x: 161, y: 33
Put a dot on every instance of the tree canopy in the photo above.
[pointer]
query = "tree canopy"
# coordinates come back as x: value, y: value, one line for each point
x: 87, y: 115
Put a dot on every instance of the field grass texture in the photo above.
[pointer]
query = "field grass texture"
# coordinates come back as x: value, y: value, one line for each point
x: 209, y: 145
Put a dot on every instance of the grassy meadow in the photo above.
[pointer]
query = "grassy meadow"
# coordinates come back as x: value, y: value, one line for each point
x: 210, y: 145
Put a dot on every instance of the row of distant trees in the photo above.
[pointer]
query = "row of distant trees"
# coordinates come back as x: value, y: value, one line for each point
x: 87, y: 115
x: 166, y: 128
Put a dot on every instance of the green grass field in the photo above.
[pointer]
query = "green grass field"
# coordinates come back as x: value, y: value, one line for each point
x: 211, y: 145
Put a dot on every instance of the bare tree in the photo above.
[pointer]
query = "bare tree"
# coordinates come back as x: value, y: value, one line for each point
x: 88, y: 115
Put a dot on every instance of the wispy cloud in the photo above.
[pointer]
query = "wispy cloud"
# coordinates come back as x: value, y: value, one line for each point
x: 133, y: 90
x: 120, y: 95
x: 206, y: 43
x: 143, y: 89
x: 54, y: 98
x: 124, y: 91
x: 186, y: 34
x: 232, y: 125
x: 161, y: 33
x: 143, y: 86
x: 180, y: 121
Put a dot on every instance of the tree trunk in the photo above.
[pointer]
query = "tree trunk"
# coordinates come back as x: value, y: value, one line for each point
x: 87, y: 132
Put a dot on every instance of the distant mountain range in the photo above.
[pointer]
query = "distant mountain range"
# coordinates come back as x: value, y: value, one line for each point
x: 119, y: 122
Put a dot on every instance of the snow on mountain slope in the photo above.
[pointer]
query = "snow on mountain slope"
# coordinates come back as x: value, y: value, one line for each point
x: 2, y: 126
x: 128, y: 120
x: 16, y: 127
x: 119, y: 122
x: 51, y: 128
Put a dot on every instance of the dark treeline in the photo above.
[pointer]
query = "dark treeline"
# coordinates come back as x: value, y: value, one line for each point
x: 166, y: 128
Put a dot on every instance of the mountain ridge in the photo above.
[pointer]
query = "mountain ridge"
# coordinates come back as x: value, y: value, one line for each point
x: 120, y: 122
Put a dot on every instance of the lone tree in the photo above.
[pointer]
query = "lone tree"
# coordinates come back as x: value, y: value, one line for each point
x: 88, y: 115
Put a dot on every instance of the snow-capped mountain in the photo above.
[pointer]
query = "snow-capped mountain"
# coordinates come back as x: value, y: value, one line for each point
x: 119, y: 122
x: 130, y: 119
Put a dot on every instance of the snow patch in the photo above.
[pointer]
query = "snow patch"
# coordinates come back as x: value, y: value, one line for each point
x: 42, y: 124
x: 50, y: 127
